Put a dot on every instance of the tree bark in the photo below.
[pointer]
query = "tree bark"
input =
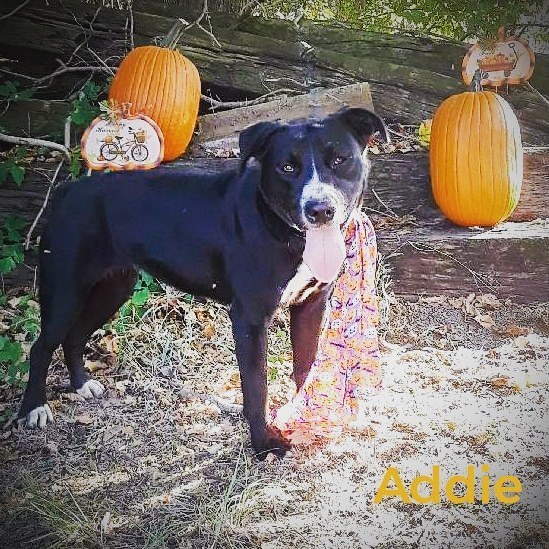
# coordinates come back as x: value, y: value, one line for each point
x: 409, y: 76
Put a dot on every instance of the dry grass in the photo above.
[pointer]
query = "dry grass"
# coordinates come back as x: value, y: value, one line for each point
x: 146, y: 468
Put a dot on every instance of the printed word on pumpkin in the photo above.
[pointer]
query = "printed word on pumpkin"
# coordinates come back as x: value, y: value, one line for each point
x: 127, y: 143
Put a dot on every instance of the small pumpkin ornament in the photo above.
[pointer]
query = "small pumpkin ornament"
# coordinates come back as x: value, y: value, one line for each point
x: 476, y: 159
x: 161, y: 83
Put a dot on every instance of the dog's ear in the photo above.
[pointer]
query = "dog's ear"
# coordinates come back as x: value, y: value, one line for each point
x: 363, y: 123
x: 253, y: 140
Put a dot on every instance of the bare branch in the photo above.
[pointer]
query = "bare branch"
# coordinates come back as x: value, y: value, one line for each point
x: 36, y: 143
x: 14, y: 11
x: 223, y: 105
x: 44, y: 204
x: 181, y: 26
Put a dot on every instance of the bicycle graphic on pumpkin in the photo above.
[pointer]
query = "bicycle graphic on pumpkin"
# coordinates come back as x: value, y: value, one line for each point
x: 113, y: 147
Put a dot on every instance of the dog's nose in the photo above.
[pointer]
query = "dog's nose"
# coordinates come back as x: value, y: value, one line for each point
x: 319, y: 213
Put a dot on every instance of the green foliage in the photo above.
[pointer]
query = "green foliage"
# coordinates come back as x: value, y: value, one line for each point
x: 11, y: 244
x: 136, y: 306
x: 11, y: 168
x: 76, y: 166
x: 86, y: 106
x: 15, y: 342
x: 11, y: 91
x: 457, y: 19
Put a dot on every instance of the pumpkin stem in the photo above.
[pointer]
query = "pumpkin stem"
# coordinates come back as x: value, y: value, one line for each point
x: 476, y: 82
x: 174, y: 34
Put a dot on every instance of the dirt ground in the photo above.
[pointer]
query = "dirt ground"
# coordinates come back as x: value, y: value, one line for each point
x: 464, y: 382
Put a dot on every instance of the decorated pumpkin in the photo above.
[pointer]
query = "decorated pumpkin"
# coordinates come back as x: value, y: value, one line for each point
x: 476, y: 158
x: 162, y: 84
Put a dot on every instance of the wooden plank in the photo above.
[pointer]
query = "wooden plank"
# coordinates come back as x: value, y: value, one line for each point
x: 430, y: 257
x: 317, y: 103
x: 510, y: 262
x: 401, y: 181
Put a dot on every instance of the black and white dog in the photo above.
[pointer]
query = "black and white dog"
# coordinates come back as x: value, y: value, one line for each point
x: 238, y: 237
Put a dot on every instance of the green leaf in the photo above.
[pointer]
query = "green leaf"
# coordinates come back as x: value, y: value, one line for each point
x: 20, y: 153
x: 17, y: 174
x: 10, y: 351
x: 140, y: 297
x: 7, y: 264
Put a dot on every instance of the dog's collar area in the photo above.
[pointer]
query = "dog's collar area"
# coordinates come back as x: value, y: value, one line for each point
x: 278, y: 226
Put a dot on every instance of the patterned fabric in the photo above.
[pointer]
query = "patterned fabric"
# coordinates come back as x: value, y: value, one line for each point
x: 347, y: 366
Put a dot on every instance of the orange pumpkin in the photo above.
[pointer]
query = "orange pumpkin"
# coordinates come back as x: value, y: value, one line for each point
x: 476, y: 158
x: 164, y: 85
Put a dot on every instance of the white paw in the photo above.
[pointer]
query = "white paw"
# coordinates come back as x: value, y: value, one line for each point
x: 39, y: 417
x: 91, y: 389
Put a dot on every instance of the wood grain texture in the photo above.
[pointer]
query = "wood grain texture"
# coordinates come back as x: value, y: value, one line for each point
x: 409, y: 76
x: 317, y: 104
x: 430, y: 257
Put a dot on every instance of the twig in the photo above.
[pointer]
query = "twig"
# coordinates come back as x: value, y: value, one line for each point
x: 383, y: 203
x: 215, y: 104
x: 132, y: 43
x: 67, y: 132
x: 44, y: 204
x: 14, y: 10
x: 62, y: 70
x: 101, y: 62
x: 182, y: 25
x: 222, y: 404
x: 477, y: 277
x: 403, y: 136
x: 36, y: 143
x: 542, y: 97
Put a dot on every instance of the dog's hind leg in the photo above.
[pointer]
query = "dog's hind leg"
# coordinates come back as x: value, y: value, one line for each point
x: 101, y: 303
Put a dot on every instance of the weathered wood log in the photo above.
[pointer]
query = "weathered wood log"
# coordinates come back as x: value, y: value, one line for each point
x: 427, y: 254
x: 318, y: 103
x: 401, y: 181
x: 36, y: 118
x: 409, y: 77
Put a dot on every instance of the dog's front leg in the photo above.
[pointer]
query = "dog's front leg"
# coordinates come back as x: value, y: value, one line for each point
x: 250, y: 336
x: 306, y: 322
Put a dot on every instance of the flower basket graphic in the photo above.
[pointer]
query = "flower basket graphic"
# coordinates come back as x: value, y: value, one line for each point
x: 499, y: 62
x: 508, y: 61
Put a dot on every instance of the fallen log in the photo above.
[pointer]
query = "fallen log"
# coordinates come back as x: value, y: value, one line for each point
x: 425, y: 253
x: 409, y: 77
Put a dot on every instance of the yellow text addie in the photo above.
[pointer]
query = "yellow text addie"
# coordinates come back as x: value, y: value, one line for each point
x: 505, y: 489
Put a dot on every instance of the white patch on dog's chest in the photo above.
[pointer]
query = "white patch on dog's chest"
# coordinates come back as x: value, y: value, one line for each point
x: 301, y: 286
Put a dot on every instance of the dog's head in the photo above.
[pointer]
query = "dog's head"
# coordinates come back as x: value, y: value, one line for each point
x: 313, y: 172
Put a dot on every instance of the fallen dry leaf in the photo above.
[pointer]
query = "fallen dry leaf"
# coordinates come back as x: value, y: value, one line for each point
x: 94, y: 365
x: 84, y: 419
x: 209, y: 330
x: 106, y: 527
x: 511, y: 330
x: 485, y: 320
x: 501, y: 381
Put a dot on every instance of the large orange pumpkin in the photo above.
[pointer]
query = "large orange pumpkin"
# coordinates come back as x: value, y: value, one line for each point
x: 164, y: 85
x: 476, y: 158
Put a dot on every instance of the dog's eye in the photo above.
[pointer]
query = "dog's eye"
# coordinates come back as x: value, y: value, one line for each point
x: 288, y: 168
x: 338, y: 160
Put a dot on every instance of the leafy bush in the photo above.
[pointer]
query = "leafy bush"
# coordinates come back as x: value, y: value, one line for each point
x: 11, y: 244
x: 458, y: 19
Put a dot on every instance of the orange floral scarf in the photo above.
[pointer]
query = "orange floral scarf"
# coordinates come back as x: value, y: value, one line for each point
x: 347, y: 365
